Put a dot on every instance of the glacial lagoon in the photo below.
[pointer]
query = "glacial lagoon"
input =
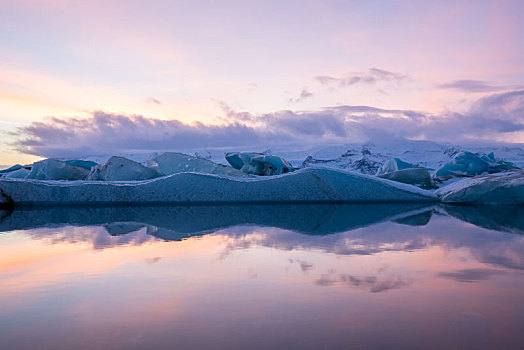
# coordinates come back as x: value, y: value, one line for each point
x: 281, y: 276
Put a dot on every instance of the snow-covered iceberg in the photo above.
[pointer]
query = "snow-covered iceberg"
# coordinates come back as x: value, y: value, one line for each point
x: 258, y: 163
x: 170, y: 163
x: 500, y: 188
x: 307, y: 185
x: 121, y: 169
x: 53, y: 169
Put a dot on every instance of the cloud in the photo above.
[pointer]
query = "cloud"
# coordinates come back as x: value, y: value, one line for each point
x: 304, y: 94
x: 495, y: 117
x: 471, y: 86
x: 152, y: 100
x: 372, y: 76
x: 470, y: 275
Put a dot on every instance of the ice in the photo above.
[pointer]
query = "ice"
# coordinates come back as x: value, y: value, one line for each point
x: 502, y: 188
x: 258, y: 163
x: 13, y: 168
x: 53, y: 169
x: 121, y: 169
x: 20, y: 173
x: 414, y: 176
x: 394, y: 164
x: 468, y: 163
x: 170, y: 163
x: 86, y: 164
x: 307, y: 185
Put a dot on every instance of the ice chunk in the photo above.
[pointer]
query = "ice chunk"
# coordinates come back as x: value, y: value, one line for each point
x: 501, y: 188
x: 394, y: 164
x: 258, y: 163
x: 13, y: 168
x: 20, y: 173
x: 306, y: 185
x: 239, y: 159
x: 414, y: 176
x: 468, y: 163
x: 173, y: 163
x: 53, y: 169
x: 86, y: 164
x: 121, y: 169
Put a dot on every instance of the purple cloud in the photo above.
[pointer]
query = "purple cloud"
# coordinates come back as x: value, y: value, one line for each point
x: 490, y: 117
x: 152, y: 100
x: 471, y: 86
x: 304, y: 94
x: 372, y: 76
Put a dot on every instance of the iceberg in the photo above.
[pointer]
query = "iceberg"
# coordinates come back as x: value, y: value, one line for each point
x: 394, y: 164
x: 170, y: 163
x: 258, y: 163
x: 13, y: 168
x: 414, y: 176
x: 86, y: 164
x: 502, y: 188
x: 121, y: 169
x: 20, y: 173
x: 306, y: 185
x: 53, y: 169
x: 468, y: 163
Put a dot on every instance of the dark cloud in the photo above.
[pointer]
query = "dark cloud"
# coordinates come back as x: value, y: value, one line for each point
x: 153, y: 101
x: 372, y: 76
x: 470, y: 275
x: 471, y: 86
x: 491, y: 117
x: 304, y: 94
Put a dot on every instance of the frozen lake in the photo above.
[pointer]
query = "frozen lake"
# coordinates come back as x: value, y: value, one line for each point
x: 263, y: 277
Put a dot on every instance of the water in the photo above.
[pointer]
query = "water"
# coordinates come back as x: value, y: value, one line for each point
x: 262, y: 277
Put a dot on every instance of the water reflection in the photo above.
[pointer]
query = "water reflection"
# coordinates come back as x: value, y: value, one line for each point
x: 263, y: 276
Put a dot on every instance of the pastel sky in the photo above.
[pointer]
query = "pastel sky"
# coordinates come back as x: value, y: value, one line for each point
x: 316, y: 71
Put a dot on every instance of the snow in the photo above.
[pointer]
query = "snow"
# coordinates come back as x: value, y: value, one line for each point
x: 501, y: 188
x: 53, y: 169
x: 307, y: 185
x: 121, y: 169
x: 258, y: 164
x: 170, y: 163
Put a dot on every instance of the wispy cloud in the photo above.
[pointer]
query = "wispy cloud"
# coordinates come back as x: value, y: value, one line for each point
x: 490, y: 118
x: 372, y: 76
x: 152, y: 100
x: 471, y: 86
x: 304, y: 94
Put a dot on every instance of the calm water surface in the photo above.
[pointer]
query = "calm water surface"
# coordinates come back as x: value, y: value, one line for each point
x: 262, y: 277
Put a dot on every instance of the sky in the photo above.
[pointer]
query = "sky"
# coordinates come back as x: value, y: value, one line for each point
x: 82, y: 78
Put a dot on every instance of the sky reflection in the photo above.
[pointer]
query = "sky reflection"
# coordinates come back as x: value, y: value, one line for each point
x: 401, y: 281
